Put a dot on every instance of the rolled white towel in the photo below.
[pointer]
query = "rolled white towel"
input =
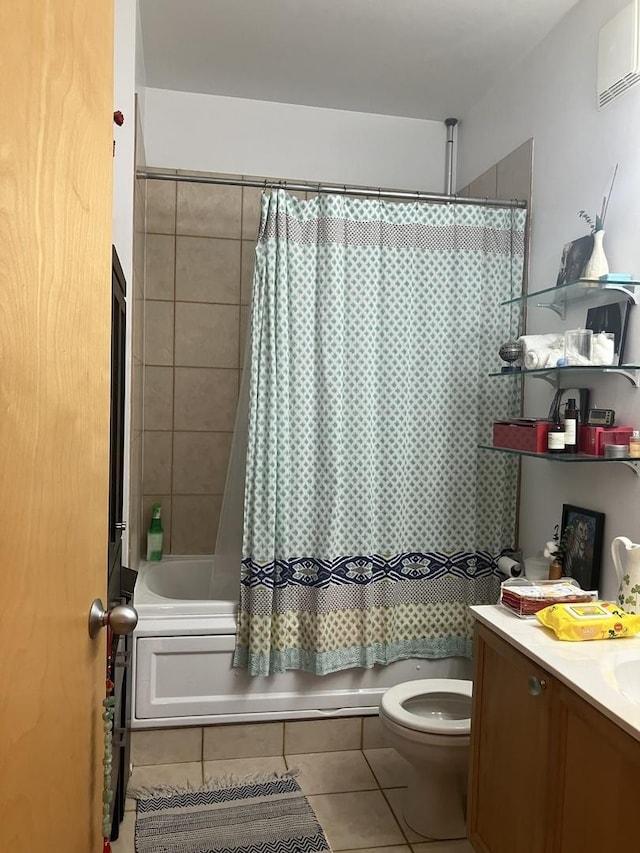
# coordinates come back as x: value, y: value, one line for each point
x: 536, y: 342
x: 533, y: 358
x: 536, y: 349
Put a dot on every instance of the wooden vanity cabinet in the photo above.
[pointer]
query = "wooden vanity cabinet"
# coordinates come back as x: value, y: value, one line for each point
x: 510, y: 749
x: 549, y: 773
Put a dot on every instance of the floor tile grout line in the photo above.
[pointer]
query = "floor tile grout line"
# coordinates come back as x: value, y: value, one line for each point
x: 404, y: 835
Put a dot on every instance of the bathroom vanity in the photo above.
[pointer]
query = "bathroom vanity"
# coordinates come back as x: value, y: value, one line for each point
x: 555, y: 740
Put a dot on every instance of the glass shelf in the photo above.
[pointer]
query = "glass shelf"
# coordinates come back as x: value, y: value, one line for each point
x: 553, y: 374
x: 557, y: 298
x: 570, y: 458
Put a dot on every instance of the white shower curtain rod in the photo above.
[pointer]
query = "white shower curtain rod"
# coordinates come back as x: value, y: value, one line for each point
x: 340, y: 189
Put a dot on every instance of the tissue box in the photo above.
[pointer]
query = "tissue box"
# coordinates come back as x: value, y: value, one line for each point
x: 591, y: 439
x: 521, y: 434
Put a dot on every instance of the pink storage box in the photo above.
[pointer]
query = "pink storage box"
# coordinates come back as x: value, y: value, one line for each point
x: 591, y: 439
x: 521, y: 434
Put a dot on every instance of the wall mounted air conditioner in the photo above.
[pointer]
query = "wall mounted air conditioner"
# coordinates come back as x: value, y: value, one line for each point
x: 619, y: 55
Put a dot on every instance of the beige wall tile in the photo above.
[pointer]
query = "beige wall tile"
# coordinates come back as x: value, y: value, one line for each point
x: 158, y: 397
x: 245, y: 319
x: 135, y: 502
x: 200, y: 462
x: 243, y: 767
x: 514, y: 173
x: 207, y: 335
x: 194, y: 526
x: 390, y: 768
x: 161, y: 207
x: 139, y: 239
x: 156, y: 463
x: 246, y: 277
x: 137, y: 399
x: 205, y: 399
x: 207, y: 210
x: 485, y: 186
x: 322, y: 735
x: 166, y: 746
x: 160, y: 266
x: 332, y: 772
x: 136, y: 319
x: 158, y: 333
x: 356, y: 820
x: 147, y: 505
x: 250, y: 212
x: 208, y: 270
x: 243, y: 741
x: 372, y: 733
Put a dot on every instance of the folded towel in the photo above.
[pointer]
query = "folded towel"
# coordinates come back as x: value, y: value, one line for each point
x: 536, y: 350
x: 536, y: 342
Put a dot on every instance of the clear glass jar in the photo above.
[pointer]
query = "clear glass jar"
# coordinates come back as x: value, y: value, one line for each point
x: 634, y: 445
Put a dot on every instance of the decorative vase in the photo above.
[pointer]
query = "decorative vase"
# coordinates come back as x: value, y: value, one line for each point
x: 597, y: 264
x: 555, y: 570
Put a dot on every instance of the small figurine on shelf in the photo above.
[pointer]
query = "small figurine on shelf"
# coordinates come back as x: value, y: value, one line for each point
x: 511, y: 351
x: 555, y: 549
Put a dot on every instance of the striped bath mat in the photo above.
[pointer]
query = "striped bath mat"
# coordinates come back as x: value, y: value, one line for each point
x: 266, y: 814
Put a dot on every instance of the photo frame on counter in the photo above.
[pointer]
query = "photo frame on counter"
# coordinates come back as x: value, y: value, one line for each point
x: 612, y: 317
x: 575, y: 256
x: 583, y: 554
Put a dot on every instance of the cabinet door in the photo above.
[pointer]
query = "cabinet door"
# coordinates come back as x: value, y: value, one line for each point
x: 509, y: 778
x: 598, y: 767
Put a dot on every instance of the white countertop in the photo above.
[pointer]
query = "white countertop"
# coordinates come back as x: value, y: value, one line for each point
x: 586, y: 667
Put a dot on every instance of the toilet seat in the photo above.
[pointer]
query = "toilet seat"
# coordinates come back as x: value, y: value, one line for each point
x: 430, y: 717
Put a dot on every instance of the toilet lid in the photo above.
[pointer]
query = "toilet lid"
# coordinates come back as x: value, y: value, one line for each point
x: 436, y: 705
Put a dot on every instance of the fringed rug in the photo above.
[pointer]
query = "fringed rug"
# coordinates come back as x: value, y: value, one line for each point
x: 262, y: 814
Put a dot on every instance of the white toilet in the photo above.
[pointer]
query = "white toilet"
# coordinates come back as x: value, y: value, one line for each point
x: 428, y: 722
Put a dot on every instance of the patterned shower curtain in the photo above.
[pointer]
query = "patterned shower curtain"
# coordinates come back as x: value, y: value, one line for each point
x: 372, y: 521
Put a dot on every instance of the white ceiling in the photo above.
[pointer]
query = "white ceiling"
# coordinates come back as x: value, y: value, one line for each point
x: 419, y: 58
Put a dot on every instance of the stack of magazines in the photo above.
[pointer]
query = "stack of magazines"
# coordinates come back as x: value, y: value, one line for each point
x: 524, y: 597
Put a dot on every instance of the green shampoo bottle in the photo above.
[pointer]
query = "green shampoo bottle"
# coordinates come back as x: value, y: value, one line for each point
x: 155, y: 534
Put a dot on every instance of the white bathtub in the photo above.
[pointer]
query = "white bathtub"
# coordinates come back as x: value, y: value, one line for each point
x: 183, y: 648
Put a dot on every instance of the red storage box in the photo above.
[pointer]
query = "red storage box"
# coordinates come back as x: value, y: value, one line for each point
x: 521, y: 434
x: 591, y: 439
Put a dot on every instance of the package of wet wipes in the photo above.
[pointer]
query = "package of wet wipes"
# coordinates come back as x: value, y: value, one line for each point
x: 597, y: 620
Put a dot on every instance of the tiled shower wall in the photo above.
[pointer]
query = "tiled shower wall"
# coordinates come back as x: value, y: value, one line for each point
x: 200, y: 247
x: 199, y: 263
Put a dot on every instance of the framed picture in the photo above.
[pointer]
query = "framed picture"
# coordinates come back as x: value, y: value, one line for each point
x: 612, y: 317
x: 574, y: 259
x: 582, y: 530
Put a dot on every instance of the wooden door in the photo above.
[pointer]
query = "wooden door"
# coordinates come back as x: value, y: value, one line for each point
x: 56, y: 60
x: 510, y: 759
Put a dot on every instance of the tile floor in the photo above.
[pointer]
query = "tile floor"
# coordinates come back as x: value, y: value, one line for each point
x: 356, y: 793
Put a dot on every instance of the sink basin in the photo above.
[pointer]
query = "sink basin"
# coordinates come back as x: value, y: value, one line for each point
x: 627, y: 675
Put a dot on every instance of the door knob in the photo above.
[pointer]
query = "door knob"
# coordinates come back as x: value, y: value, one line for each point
x: 536, y: 685
x: 122, y: 619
